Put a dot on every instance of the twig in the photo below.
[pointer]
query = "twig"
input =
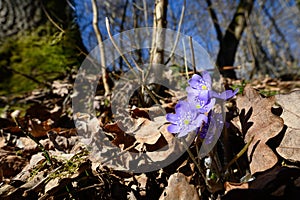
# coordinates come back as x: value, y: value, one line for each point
x: 117, y: 48
x: 193, y: 159
x: 135, y: 64
x: 237, y: 156
x: 178, y: 33
x: 101, y: 48
x: 50, y: 19
x: 145, y: 13
x: 185, y: 61
x: 154, y: 99
x: 193, y: 55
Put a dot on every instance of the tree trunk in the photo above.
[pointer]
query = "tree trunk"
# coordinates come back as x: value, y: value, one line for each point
x: 230, y: 41
x: 159, y: 22
x: 157, y: 49
x: 18, y: 15
x: 26, y: 24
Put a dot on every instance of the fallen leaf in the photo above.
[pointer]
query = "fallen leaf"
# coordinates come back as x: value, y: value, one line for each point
x: 11, y: 165
x: 2, y: 142
x: 289, y: 147
x: 256, y: 121
x: 230, y: 186
x: 38, y: 111
x: 145, y: 133
x: 52, y: 184
x: 39, y: 128
x: 149, y: 135
x: 142, y: 183
x: 179, y: 189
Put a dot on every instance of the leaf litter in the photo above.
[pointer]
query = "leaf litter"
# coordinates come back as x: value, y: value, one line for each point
x: 25, y: 174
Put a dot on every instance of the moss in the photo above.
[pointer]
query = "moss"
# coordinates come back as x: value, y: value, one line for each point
x: 42, y: 54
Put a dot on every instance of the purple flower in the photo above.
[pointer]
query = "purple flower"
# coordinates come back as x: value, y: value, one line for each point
x: 200, y: 101
x: 201, y: 82
x: 192, y: 114
x: 199, y: 92
x: 215, y: 126
x: 185, y: 120
x: 227, y: 94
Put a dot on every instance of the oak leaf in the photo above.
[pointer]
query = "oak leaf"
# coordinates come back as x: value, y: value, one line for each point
x: 289, y: 147
x: 256, y: 121
x: 179, y: 189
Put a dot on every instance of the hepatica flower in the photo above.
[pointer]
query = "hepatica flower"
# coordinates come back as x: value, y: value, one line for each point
x: 201, y: 83
x: 185, y: 120
x: 199, y: 92
x: 192, y: 114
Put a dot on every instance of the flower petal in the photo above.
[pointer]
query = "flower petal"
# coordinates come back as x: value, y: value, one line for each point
x: 173, y: 128
x: 182, y: 107
x: 195, y: 81
x: 182, y: 133
x: 208, y: 107
x: 203, y: 95
x: 206, y: 77
x: 200, y: 119
x: 191, y: 90
x: 173, y: 118
x: 224, y: 95
x: 230, y: 93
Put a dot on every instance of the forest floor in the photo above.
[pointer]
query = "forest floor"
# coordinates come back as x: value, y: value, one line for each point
x: 258, y: 155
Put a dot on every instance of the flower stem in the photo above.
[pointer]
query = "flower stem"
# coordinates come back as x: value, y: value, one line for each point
x: 237, y: 156
x: 193, y: 159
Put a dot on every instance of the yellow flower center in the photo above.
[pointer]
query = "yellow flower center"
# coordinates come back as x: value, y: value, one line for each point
x: 204, y: 87
x: 186, y: 122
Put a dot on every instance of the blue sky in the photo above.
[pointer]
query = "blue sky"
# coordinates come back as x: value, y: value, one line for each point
x: 197, y: 22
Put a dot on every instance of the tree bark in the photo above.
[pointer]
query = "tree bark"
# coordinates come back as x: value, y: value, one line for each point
x: 230, y: 41
x: 157, y: 51
x: 18, y: 15
x: 159, y: 22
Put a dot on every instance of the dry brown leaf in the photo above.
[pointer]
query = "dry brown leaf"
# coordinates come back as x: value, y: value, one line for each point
x: 2, y: 142
x: 38, y: 111
x: 179, y: 189
x: 149, y: 137
x: 121, y: 139
x: 230, y: 186
x: 11, y: 165
x: 145, y: 132
x: 149, y: 130
x: 289, y: 148
x: 258, y: 122
x: 52, y: 184
x: 39, y: 128
x: 142, y: 183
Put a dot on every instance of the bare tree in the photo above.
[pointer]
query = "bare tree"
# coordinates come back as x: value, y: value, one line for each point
x: 258, y: 36
x: 230, y: 40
